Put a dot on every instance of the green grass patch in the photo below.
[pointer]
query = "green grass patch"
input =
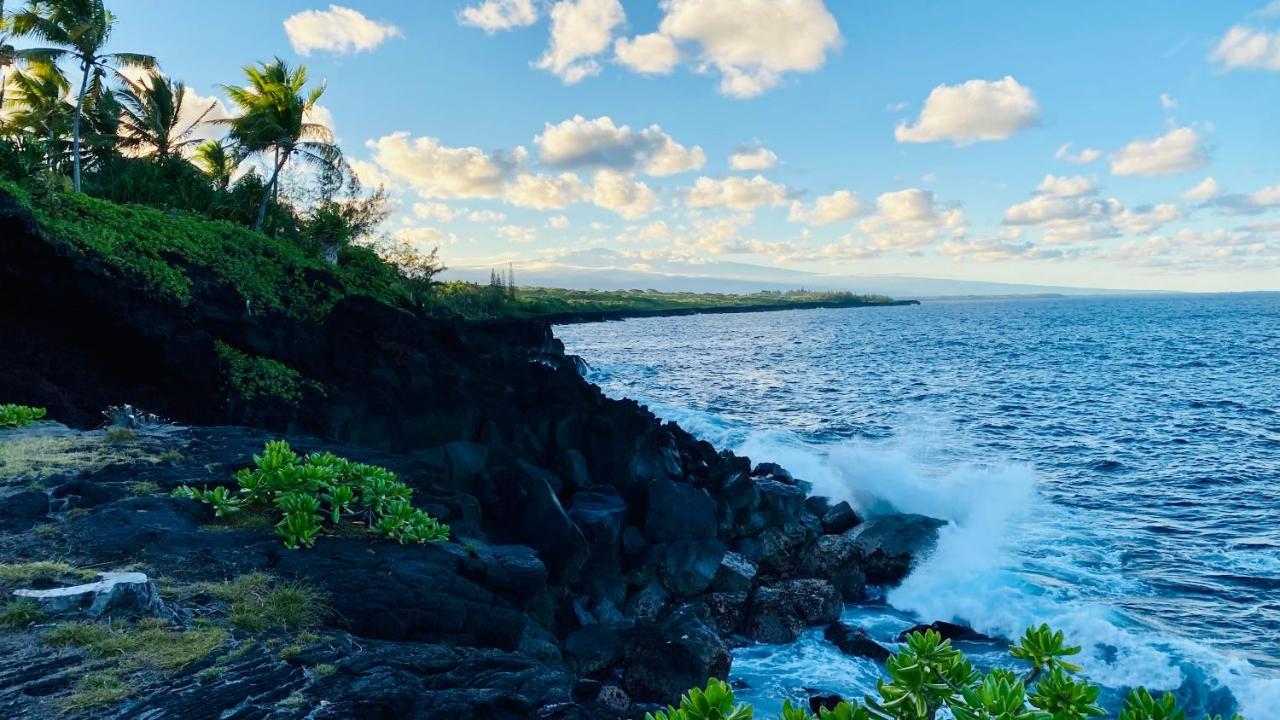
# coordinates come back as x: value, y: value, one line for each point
x: 31, y: 456
x: 257, y: 602
x: 97, y: 690
x: 144, y: 487
x: 120, y: 436
x: 44, y: 572
x: 20, y: 613
x: 149, y: 643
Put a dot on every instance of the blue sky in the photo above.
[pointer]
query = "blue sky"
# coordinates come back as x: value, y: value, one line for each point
x: 910, y: 138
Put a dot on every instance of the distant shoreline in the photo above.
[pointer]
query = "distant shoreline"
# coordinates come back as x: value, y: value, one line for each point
x: 589, y: 316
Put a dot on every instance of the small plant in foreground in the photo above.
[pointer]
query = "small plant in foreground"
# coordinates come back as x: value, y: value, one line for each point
x: 256, y: 602
x: 322, y: 488
x: 20, y: 613
x: 97, y: 690
x: 929, y: 679
x: 16, y: 416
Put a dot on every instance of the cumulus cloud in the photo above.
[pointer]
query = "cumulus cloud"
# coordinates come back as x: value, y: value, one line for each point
x: 1207, y: 189
x: 840, y: 205
x: 1146, y: 219
x: 760, y: 158
x: 752, y: 44
x: 1247, y: 48
x: 656, y: 231
x: 1177, y: 151
x: 1063, y: 186
x: 486, y: 216
x: 434, y: 211
x: 974, y: 111
x: 434, y: 170
x: 1048, y: 208
x: 1249, y: 203
x: 580, y: 31
x: 911, y: 218
x: 1190, y: 249
x: 495, y: 15
x: 735, y: 192
x: 579, y: 143
x: 1004, y: 246
x: 1168, y: 102
x: 337, y: 30
x: 652, y: 54
x: 545, y: 192
x: 623, y: 194
x: 424, y: 236
x: 517, y: 233
x: 370, y: 175
x: 1084, y: 157
x: 558, y: 222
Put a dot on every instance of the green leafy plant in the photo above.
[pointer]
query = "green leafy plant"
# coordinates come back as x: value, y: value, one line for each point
x: 318, y: 489
x: 16, y: 416
x: 929, y: 679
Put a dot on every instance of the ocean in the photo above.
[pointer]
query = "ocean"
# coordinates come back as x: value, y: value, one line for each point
x: 1108, y: 465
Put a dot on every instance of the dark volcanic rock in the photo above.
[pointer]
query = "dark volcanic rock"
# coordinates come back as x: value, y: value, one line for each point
x: 777, y: 614
x: 890, y: 544
x: 20, y: 511
x: 679, y: 653
x: 855, y: 641
x: 735, y: 574
x: 949, y: 631
x: 839, y: 518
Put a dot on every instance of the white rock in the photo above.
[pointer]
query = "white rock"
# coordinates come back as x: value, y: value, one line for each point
x: 115, y: 594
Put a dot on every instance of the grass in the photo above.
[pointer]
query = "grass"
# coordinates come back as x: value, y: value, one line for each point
x: 44, y: 571
x: 144, y: 487
x: 20, y: 613
x: 97, y: 690
x: 120, y: 436
x: 149, y: 643
x: 30, y: 456
x: 323, y: 669
x: 535, y: 301
x: 257, y: 602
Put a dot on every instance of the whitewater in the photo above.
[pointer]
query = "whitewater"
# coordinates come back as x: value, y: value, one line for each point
x: 1110, y: 466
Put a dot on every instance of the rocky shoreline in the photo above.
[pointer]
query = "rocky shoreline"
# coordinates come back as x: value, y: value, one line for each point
x: 572, y: 318
x: 602, y: 561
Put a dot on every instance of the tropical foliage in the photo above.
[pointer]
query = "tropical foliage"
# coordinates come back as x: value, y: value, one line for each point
x: 928, y: 677
x: 319, y: 492
x: 16, y: 416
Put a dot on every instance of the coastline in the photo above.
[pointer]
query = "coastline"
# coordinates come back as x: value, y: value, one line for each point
x: 574, y: 318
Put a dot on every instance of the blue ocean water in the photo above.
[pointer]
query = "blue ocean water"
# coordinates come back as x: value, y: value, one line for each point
x: 1110, y: 466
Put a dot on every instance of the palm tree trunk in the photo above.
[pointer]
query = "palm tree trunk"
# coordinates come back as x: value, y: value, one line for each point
x: 270, y: 193
x: 75, y: 129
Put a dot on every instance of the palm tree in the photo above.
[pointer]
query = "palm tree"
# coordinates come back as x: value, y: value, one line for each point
x: 273, y: 122
x: 152, y: 119
x: 81, y: 29
x: 217, y: 163
x: 42, y: 110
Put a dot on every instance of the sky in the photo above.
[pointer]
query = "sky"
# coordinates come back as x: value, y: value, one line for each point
x: 1113, y: 145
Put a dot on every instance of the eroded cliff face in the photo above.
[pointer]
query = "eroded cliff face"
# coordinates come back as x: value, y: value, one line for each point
x: 616, y: 551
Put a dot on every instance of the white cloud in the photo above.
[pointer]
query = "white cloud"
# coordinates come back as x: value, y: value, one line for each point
x: 1250, y: 203
x: 760, y: 158
x: 1207, y: 189
x: 623, y: 194
x: 753, y: 43
x: 423, y: 236
x: 840, y: 205
x: 1144, y: 220
x: 1063, y: 186
x: 1048, y: 208
x: 1179, y: 150
x: 1004, y: 246
x: 580, y: 30
x: 516, y: 233
x: 434, y: 170
x: 370, y: 175
x: 337, y: 30
x: 495, y: 15
x: 1084, y: 157
x: 600, y: 144
x: 972, y: 112
x: 909, y: 219
x: 652, y: 54
x: 486, y: 216
x: 558, y: 222
x: 735, y: 192
x: 1168, y: 102
x: 546, y: 192
x: 1244, y: 47
x: 656, y: 231
x: 434, y: 211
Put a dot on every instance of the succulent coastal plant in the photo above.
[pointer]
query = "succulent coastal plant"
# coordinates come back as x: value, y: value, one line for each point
x: 929, y: 679
x: 308, y: 492
x: 16, y: 416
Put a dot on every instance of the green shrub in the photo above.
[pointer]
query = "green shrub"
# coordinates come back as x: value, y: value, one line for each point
x: 253, y: 378
x: 310, y: 492
x: 927, y: 677
x: 20, y: 613
x: 16, y: 416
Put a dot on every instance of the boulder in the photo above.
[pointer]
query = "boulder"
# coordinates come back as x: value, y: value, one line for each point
x: 688, y: 567
x: 839, y: 518
x: 837, y: 558
x: 890, y: 544
x: 679, y: 653
x: 774, y: 470
x: 592, y: 648
x: 20, y: 512
x: 735, y: 574
x: 778, y: 613
x: 601, y: 515
x: 777, y: 551
x: 855, y: 642
x: 726, y: 609
x: 114, y: 595
x: 647, y: 603
x: 949, y: 631
x: 823, y: 701
x: 679, y: 511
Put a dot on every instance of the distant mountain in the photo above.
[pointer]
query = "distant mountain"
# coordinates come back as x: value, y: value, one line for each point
x: 604, y: 269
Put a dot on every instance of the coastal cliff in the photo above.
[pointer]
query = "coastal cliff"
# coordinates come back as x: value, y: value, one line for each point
x: 602, y: 561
